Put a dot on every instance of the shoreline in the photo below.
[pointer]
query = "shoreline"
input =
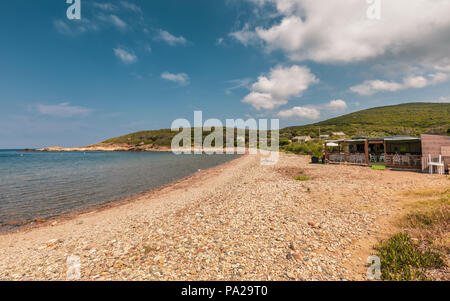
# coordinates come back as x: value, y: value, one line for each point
x: 237, y: 221
x: 113, y: 204
x: 134, y: 148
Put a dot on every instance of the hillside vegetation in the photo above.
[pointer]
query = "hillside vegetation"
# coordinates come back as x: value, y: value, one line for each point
x: 164, y: 137
x: 410, y: 119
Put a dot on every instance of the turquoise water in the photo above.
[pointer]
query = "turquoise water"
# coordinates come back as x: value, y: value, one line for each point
x: 45, y: 185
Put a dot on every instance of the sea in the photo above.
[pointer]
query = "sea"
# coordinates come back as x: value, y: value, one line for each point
x: 38, y: 186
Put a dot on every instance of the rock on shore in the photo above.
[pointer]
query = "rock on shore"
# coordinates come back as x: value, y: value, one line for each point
x: 104, y: 147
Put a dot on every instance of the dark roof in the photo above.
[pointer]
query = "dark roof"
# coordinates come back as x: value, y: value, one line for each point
x: 385, y: 138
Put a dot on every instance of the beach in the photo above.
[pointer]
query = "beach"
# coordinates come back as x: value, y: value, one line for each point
x: 237, y: 221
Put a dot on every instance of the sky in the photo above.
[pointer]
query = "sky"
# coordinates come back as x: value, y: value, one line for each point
x: 127, y: 66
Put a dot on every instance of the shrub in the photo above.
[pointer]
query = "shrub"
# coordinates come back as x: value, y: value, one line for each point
x: 403, y: 260
x: 302, y: 178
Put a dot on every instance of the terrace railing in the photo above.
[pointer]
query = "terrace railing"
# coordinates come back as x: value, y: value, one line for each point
x: 351, y: 158
x: 404, y: 161
x: 391, y: 160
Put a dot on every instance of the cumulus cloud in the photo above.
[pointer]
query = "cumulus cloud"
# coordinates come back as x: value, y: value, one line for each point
x: 337, y: 105
x: 371, y: 87
x: 170, y: 39
x: 245, y: 35
x: 263, y: 101
x: 301, y: 112
x: 314, y: 111
x: 281, y: 84
x: 181, y: 78
x: 340, y: 31
x: 63, y: 110
x: 125, y: 56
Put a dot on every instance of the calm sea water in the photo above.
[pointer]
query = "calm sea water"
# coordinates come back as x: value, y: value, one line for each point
x: 46, y: 185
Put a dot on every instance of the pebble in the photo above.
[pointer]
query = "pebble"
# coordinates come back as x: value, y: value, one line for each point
x: 269, y: 228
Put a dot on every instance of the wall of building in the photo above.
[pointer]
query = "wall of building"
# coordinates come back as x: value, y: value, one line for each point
x: 436, y: 145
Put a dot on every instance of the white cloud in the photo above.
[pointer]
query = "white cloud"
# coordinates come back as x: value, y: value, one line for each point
x: 337, y: 105
x: 103, y: 15
x: 444, y: 99
x: 219, y: 41
x: 371, y: 87
x: 113, y: 20
x: 238, y: 84
x: 286, y: 82
x: 340, y: 31
x: 314, y: 111
x: 279, y: 86
x: 104, y: 6
x: 125, y: 56
x: 131, y: 6
x: 119, y: 23
x: 263, y: 101
x: 112, y: 7
x: 181, y: 78
x: 170, y: 39
x: 245, y: 35
x: 63, y: 110
x: 302, y: 112
x: 78, y: 26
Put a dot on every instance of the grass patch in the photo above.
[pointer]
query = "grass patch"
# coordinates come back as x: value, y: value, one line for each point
x: 407, y: 256
x: 426, y: 219
x: 302, y: 178
x: 378, y: 167
x: 424, y: 193
x: 403, y: 260
x: 429, y: 221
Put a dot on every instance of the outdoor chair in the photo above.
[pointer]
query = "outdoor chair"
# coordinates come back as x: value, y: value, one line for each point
x: 439, y: 165
x: 405, y: 160
x: 396, y: 159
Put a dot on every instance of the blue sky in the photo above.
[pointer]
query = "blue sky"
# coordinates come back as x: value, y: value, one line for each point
x: 139, y: 65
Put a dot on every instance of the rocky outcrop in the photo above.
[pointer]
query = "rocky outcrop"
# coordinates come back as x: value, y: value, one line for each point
x: 105, y: 147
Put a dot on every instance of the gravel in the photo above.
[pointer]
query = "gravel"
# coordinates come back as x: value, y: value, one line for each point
x: 238, y: 221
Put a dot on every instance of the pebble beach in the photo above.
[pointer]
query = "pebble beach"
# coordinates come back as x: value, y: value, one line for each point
x: 237, y: 221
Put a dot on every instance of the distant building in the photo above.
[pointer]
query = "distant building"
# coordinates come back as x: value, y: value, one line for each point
x: 323, y: 137
x: 301, y: 139
x: 338, y: 134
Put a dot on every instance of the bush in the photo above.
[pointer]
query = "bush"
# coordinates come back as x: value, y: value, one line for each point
x: 403, y: 260
x: 284, y: 141
x: 313, y: 148
x: 302, y: 178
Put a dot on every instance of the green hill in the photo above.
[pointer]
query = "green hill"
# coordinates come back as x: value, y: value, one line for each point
x: 410, y: 119
x: 162, y: 137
